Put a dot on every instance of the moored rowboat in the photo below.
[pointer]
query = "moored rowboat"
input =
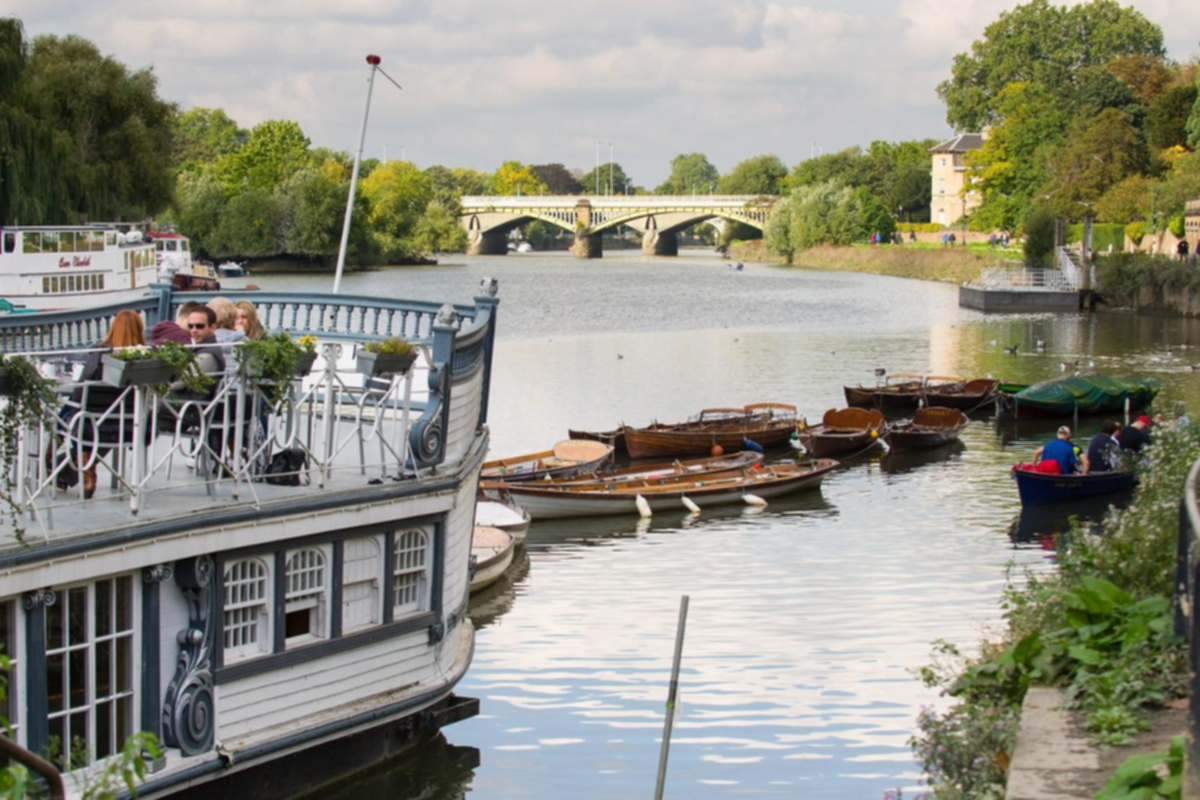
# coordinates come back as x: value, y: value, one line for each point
x: 973, y: 395
x: 768, y: 424
x: 1037, y: 488
x: 547, y: 502
x: 929, y: 427
x: 844, y: 430
x: 500, y: 513
x: 657, y: 471
x: 492, y: 553
x: 570, y: 457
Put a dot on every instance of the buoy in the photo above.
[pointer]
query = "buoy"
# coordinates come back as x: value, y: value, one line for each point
x: 643, y: 507
x: 692, y: 507
x: 717, y: 450
x: 798, y: 445
x: 750, y: 444
x: 754, y: 500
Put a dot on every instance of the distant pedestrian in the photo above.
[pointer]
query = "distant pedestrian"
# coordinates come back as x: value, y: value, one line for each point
x: 945, y: 239
x: 1182, y: 249
x: 953, y: 239
x: 992, y: 241
x: 912, y: 236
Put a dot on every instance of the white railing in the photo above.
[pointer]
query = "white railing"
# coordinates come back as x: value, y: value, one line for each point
x: 1001, y: 278
x: 1069, y: 260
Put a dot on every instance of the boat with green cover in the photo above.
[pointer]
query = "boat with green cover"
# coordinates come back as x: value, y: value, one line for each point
x: 1082, y: 394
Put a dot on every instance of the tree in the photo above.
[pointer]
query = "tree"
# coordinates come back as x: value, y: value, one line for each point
x: 120, y: 130
x: 1127, y: 201
x: 249, y: 226
x: 1039, y: 237
x: 1044, y: 44
x: 1167, y: 122
x: 513, y: 177
x: 312, y: 204
x: 763, y: 174
x: 472, y: 181
x: 557, y: 178
x: 690, y: 173
x: 274, y: 150
x: 1103, y: 151
x: 844, y: 166
x: 602, y: 175
x: 397, y: 194
x: 1147, y: 75
x: 202, y: 135
x: 438, y: 230
x: 199, y: 201
x: 1193, y: 123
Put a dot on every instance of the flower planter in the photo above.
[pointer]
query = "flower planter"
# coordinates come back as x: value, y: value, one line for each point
x: 373, y: 364
x: 6, y: 387
x: 142, y: 372
x: 305, y: 364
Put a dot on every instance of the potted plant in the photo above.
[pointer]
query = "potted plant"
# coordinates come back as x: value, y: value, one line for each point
x: 135, y: 366
x: 277, y: 360
x: 387, y: 357
x: 28, y: 402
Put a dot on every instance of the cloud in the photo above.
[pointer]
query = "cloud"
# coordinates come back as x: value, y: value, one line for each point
x: 542, y: 80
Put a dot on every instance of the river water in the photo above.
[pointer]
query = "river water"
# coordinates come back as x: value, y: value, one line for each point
x: 808, y: 618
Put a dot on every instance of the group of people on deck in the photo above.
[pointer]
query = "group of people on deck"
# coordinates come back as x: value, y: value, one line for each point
x: 1105, y: 450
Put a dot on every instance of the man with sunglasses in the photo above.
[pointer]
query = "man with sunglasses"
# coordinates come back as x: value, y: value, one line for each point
x: 202, y: 327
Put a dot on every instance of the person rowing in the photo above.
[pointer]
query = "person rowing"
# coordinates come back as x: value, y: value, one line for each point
x: 1061, y: 451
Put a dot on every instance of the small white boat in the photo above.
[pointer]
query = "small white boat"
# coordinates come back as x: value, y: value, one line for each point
x: 502, y: 514
x: 568, y: 457
x: 492, y: 553
x: 524, y: 247
x: 231, y: 269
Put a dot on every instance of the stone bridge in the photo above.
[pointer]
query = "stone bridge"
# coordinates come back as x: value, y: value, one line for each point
x: 658, y: 218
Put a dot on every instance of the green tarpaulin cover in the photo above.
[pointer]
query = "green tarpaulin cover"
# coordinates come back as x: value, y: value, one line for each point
x: 1092, y: 393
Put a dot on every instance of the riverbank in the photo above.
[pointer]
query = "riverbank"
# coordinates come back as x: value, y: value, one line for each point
x: 919, y: 261
x: 287, y: 266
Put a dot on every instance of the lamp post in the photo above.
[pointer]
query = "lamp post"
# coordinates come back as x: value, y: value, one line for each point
x: 610, y: 169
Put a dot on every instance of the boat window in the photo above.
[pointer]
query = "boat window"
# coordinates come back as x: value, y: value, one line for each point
x: 45, y: 286
x: 171, y: 247
x: 158, y: 245
x: 33, y: 242
x: 245, y: 611
x: 110, y: 237
x: 10, y: 242
x: 54, y: 285
x: 69, y: 280
x: 97, y: 241
x: 49, y: 242
x: 305, y: 610
x: 410, y: 572
x: 90, y: 667
x: 66, y: 242
x: 11, y: 643
x: 184, y: 246
x: 361, y: 571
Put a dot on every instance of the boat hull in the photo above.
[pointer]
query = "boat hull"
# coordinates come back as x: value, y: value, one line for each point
x: 822, y: 445
x: 901, y: 440
x: 660, y: 443
x: 493, y: 551
x: 615, y: 438
x: 557, y: 504
x: 1037, y: 489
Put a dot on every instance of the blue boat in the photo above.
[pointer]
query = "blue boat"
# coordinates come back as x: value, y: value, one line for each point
x: 1038, y: 489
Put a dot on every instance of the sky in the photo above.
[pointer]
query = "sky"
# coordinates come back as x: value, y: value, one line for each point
x: 542, y: 81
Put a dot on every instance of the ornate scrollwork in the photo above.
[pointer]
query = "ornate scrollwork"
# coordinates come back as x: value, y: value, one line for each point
x: 159, y: 573
x: 490, y: 286
x: 189, y: 713
x: 446, y: 316
x: 39, y: 598
x: 427, y: 437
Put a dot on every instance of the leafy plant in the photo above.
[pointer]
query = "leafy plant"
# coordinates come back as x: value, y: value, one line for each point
x: 182, y: 360
x: 29, y: 402
x: 275, y: 359
x: 390, y: 347
x: 1140, y: 777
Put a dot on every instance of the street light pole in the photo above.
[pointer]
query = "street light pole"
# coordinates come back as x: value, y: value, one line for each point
x: 597, y: 168
x: 374, y: 61
x: 610, y: 169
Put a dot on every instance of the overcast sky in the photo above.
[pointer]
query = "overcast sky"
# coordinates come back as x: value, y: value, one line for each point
x: 542, y: 80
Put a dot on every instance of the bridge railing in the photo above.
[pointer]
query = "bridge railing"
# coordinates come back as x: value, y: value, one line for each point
x: 624, y: 201
x: 1187, y: 618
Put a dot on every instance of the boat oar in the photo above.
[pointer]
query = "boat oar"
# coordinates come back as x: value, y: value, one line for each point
x: 643, y: 507
x: 692, y: 507
x: 754, y: 500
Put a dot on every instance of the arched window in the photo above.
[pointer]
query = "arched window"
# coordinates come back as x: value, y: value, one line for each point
x: 305, y: 594
x: 361, y: 571
x: 246, y: 610
x: 410, y: 573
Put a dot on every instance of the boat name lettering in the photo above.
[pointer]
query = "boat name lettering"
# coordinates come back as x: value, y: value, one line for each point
x: 75, y: 261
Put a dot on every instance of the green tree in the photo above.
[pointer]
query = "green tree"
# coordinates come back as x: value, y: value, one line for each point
x: 274, y: 150
x: 763, y: 174
x: 398, y: 194
x: 513, y: 177
x: 1102, y: 152
x: 312, y: 206
x: 199, y: 202
x: 1167, y: 122
x: 121, y: 132
x: 202, y: 135
x: 1039, y: 237
x: 558, y: 179
x: 1147, y: 75
x: 844, y: 166
x: 1193, y: 123
x: 472, y: 181
x: 1127, y: 201
x: 690, y: 173
x: 438, y: 230
x: 601, y: 175
x: 1044, y: 44
x: 249, y: 226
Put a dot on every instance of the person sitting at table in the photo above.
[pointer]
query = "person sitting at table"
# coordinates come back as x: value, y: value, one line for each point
x: 248, y: 322
x: 1062, y: 451
x: 225, y: 328
x: 127, y: 330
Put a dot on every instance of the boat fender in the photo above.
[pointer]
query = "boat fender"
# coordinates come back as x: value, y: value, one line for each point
x: 750, y: 444
x: 754, y: 500
x: 643, y: 507
x: 691, y: 506
x: 886, y: 447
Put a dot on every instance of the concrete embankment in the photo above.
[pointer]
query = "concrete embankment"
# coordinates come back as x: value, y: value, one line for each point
x: 900, y: 261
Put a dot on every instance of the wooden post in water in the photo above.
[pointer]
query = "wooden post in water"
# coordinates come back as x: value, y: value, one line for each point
x: 672, y: 695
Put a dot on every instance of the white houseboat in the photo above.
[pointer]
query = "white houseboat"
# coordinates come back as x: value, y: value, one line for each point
x: 275, y: 634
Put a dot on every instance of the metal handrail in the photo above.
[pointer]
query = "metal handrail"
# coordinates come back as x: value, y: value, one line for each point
x: 35, y: 764
x: 1187, y: 620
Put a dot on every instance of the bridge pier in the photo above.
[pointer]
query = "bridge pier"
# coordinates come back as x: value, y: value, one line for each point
x: 587, y: 245
x: 657, y: 243
x: 488, y: 243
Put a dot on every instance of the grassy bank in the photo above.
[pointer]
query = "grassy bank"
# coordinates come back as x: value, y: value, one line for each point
x: 919, y: 260
x: 1100, y: 627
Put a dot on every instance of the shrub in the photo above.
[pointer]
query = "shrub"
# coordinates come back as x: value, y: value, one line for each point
x: 1103, y: 235
x: 1039, y: 237
x: 1136, y: 231
x: 1176, y: 227
x: 918, y: 227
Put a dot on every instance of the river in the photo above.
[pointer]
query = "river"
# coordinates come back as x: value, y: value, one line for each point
x: 808, y: 618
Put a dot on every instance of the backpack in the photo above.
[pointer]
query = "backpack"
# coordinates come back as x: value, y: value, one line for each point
x: 292, y: 460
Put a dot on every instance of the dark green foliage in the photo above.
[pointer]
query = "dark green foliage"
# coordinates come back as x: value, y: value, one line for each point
x: 1141, y: 777
x: 1039, y: 238
x: 249, y: 226
x: 1104, y: 235
x: 1121, y: 276
x: 1166, y: 124
x: 691, y: 173
x: 763, y: 174
x: 557, y: 178
x: 620, y: 181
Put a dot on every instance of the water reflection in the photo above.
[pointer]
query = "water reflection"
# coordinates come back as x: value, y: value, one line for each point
x: 489, y: 605
x: 438, y: 771
x: 1040, y: 526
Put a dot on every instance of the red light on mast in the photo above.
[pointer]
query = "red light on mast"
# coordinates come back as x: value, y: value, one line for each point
x: 374, y: 60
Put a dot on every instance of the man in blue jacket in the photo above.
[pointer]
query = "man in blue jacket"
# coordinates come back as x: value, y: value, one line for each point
x: 1062, y: 451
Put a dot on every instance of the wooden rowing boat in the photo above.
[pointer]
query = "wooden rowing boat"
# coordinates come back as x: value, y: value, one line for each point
x: 570, y: 457
x: 844, y: 430
x: 1038, y: 488
x: 929, y: 427
x: 642, y: 472
x: 900, y: 392
x: 974, y: 395
x: 548, y: 502
x: 491, y: 554
x: 768, y: 424
x: 500, y: 512
x: 614, y: 437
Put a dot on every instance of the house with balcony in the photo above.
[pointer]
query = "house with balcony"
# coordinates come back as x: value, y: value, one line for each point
x: 953, y: 196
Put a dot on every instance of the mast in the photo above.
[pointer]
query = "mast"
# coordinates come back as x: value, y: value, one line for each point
x: 362, y: 136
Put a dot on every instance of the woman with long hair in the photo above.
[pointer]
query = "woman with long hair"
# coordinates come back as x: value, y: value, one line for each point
x: 226, y: 331
x: 248, y: 322
x: 127, y: 330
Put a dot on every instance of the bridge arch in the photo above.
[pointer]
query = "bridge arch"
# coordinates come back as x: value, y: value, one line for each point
x: 674, y: 222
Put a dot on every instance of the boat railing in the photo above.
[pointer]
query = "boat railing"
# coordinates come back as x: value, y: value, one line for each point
x: 1025, y: 279
x: 245, y: 438
x: 1187, y: 618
